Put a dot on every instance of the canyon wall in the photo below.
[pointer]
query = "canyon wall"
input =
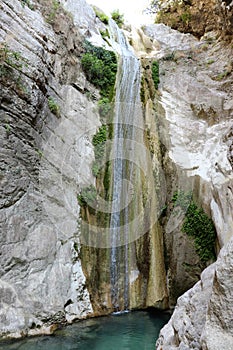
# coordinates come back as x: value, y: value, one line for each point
x: 47, y: 118
x: 49, y: 115
x: 196, y: 101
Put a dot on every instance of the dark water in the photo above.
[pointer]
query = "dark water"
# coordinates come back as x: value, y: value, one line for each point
x: 129, y: 331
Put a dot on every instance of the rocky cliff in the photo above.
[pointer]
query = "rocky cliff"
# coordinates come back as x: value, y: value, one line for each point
x: 44, y: 109
x: 196, y: 17
x: 49, y: 115
x: 196, y: 99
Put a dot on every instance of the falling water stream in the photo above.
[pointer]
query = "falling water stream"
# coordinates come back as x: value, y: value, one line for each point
x: 127, y: 114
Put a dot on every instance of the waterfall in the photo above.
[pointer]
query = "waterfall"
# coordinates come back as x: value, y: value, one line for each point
x: 127, y: 115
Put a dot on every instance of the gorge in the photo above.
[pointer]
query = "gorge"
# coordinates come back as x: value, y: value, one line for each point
x: 80, y: 238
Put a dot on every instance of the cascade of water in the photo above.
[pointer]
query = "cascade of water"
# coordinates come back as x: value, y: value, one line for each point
x: 127, y: 111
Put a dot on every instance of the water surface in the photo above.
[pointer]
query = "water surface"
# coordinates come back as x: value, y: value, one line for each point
x: 129, y: 331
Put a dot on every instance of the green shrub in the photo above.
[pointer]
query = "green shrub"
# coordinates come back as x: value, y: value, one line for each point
x: 199, y: 226
x: 105, y: 34
x: 9, y: 58
x: 118, y: 18
x: 100, y: 67
x: 155, y: 73
x: 53, y: 106
x: 99, y: 141
x: 170, y: 57
x: 104, y: 107
x: 101, y: 15
x: 186, y: 17
x: 87, y: 196
x: 182, y: 199
x: 27, y: 3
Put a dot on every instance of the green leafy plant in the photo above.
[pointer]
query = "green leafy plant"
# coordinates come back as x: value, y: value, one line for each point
x: 196, y: 224
x: 104, y: 107
x: 182, y: 199
x: 99, y: 142
x: 155, y: 73
x: 10, y: 59
x: 170, y: 57
x: 222, y: 75
x: 87, y: 196
x: 100, y: 67
x: 186, y: 17
x: 105, y: 34
x: 53, y: 106
x: 101, y: 15
x: 12, y: 65
x: 27, y: 3
x: 7, y: 128
x: 118, y: 18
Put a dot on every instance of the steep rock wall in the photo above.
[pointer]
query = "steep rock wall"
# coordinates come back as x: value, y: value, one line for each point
x: 42, y: 153
x: 194, y: 112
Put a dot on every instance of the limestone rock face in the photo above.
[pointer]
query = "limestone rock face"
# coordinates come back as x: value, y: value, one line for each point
x: 42, y: 153
x: 194, y: 111
x: 218, y: 331
x: 202, y: 318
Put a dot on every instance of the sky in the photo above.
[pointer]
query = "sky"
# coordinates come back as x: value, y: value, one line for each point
x: 132, y: 9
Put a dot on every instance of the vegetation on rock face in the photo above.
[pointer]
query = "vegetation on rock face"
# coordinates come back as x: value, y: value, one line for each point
x: 197, y: 225
x: 12, y: 66
x: 193, y: 16
x: 118, y: 18
x: 10, y: 59
x: 155, y: 73
x: 104, y: 108
x: 53, y: 10
x: 87, y: 196
x: 100, y: 67
x: 101, y: 15
x: 98, y: 141
x: 27, y: 3
x: 53, y: 106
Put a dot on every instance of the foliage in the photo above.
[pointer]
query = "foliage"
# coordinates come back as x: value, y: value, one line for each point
x: 98, y: 141
x: 87, y: 196
x: 12, y: 64
x: 118, y: 18
x: 27, y: 3
x: 100, y: 67
x: 55, y: 7
x: 222, y: 75
x: 9, y: 58
x: 185, y: 17
x: 53, y: 106
x: 101, y: 15
x: 104, y: 107
x: 169, y: 57
x: 182, y: 199
x: 155, y: 73
x: 199, y: 226
x: 105, y: 33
